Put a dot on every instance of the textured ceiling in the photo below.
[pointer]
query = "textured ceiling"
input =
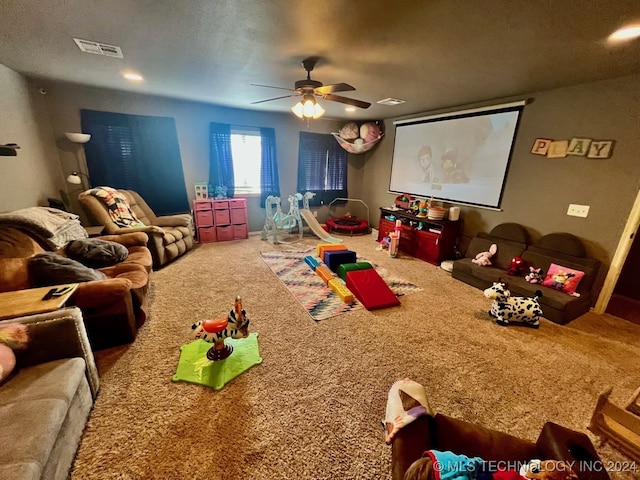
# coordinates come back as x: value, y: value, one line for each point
x: 433, y: 54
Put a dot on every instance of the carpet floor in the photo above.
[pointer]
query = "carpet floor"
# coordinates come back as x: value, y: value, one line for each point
x: 312, y: 409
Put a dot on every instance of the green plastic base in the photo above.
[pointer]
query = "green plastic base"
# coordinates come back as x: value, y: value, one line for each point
x: 194, y: 367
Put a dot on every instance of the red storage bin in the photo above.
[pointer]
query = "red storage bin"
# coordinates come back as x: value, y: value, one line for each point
x: 224, y: 233
x: 238, y: 215
x: 239, y: 231
x: 204, y: 218
x: 207, y: 234
x: 222, y: 217
x: 202, y: 204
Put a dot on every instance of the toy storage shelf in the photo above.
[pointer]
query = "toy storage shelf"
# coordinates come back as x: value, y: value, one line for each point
x: 220, y: 220
x: 433, y: 243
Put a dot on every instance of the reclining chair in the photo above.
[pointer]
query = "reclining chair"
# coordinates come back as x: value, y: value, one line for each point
x: 169, y: 236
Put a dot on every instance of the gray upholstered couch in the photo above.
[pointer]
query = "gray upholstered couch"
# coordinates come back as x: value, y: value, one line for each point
x: 46, y: 401
x: 512, y: 240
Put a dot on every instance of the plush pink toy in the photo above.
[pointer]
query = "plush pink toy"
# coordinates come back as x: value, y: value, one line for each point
x: 482, y: 258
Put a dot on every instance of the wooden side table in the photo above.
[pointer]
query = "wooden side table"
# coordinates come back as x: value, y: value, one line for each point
x: 30, y: 301
x: 94, y: 231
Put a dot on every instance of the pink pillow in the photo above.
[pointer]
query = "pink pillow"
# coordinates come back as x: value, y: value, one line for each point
x: 563, y: 278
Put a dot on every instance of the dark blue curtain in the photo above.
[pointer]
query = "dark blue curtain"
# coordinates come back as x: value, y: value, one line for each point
x: 136, y: 152
x: 269, y: 183
x: 220, y: 161
x: 322, y: 167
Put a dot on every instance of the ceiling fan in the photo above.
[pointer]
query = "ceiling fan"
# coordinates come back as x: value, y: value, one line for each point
x: 309, y: 89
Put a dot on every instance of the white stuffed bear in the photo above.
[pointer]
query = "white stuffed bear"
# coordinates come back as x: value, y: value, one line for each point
x: 482, y: 258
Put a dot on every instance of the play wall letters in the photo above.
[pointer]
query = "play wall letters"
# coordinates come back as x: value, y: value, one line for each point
x: 582, y: 147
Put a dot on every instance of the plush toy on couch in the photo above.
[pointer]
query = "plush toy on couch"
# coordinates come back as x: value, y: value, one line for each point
x: 482, y: 258
x: 535, y: 275
x: 516, y: 267
x: 11, y: 337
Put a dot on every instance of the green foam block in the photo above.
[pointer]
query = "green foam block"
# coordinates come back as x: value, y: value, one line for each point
x: 195, y: 367
x: 349, y: 267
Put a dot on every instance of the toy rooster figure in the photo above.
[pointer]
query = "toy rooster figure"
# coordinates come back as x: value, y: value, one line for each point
x: 236, y: 325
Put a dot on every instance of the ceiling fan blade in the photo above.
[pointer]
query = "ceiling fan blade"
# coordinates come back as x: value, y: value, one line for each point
x: 275, y: 98
x: 271, y: 86
x: 349, y: 101
x: 336, y: 87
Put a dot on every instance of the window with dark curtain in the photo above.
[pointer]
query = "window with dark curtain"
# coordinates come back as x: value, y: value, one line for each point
x: 220, y: 159
x: 269, y: 182
x: 136, y: 152
x: 322, y: 167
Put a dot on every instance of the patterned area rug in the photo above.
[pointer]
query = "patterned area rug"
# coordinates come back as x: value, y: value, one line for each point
x: 309, y: 289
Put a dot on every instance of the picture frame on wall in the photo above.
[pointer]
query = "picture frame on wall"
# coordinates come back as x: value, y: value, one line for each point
x: 201, y: 190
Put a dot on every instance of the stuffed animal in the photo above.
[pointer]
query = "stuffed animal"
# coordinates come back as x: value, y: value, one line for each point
x: 505, y: 308
x: 482, y: 258
x: 535, y: 275
x: 516, y: 267
x: 547, y: 470
x: 13, y: 336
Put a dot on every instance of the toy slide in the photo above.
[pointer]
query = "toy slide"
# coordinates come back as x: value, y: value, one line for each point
x: 315, y: 227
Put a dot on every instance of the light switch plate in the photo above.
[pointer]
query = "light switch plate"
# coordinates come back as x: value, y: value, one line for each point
x: 578, y: 210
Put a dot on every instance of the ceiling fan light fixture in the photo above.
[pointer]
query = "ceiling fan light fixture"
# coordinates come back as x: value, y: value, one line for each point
x: 308, y: 108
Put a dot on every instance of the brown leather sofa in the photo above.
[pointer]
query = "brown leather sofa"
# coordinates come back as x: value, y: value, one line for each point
x: 169, y: 236
x: 512, y: 240
x: 497, y: 449
x: 113, y: 309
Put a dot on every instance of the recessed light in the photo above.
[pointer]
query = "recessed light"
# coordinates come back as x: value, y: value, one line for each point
x: 390, y: 101
x: 349, y: 109
x: 625, y: 33
x: 134, y: 77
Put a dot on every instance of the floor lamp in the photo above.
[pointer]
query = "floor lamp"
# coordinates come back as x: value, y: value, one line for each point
x: 76, y: 177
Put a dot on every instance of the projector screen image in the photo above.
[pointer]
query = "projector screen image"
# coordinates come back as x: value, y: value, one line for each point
x: 458, y: 158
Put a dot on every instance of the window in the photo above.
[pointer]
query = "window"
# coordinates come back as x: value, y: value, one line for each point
x: 137, y: 152
x: 246, y: 153
x: 322, y: 167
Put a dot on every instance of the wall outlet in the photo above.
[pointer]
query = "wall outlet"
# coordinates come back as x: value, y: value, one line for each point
x: 578, y: 210
x: 315, y: 213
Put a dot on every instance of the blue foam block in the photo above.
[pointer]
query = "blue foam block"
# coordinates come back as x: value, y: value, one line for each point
x: 333, y: 259
x: 311, y: 261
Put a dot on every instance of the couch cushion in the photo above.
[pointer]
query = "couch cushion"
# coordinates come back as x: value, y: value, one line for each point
x: 562, y: 243
x: 510, y: 231
x: 37, y: 397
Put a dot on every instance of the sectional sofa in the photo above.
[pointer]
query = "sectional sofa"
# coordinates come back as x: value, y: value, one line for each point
x: 561, y: 249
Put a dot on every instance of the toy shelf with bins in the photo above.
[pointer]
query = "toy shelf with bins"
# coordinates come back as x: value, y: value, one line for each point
x: 220, y: 220
x: 433, y: 243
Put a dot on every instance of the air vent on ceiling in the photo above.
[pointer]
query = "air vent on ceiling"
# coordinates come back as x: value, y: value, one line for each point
x: 390, y: 101
x: 88, y: 46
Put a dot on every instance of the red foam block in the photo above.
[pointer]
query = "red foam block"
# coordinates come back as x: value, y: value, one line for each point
x: 371, y: 289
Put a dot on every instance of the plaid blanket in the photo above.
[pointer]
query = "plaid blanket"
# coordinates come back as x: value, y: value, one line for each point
x: 119, y: 210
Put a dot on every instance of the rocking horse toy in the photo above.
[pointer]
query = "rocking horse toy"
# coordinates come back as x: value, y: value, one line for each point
x: 236, y: 325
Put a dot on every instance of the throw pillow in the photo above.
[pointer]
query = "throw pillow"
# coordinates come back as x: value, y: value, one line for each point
x: 96, y: 253
x: 563, y: 278
x: 53, y: 269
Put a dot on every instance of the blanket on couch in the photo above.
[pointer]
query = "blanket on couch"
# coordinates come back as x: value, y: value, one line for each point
x: 51, y: 226
x: 119, y: 210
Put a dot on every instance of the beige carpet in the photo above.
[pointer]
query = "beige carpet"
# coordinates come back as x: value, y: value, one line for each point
x: 312, y: 409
